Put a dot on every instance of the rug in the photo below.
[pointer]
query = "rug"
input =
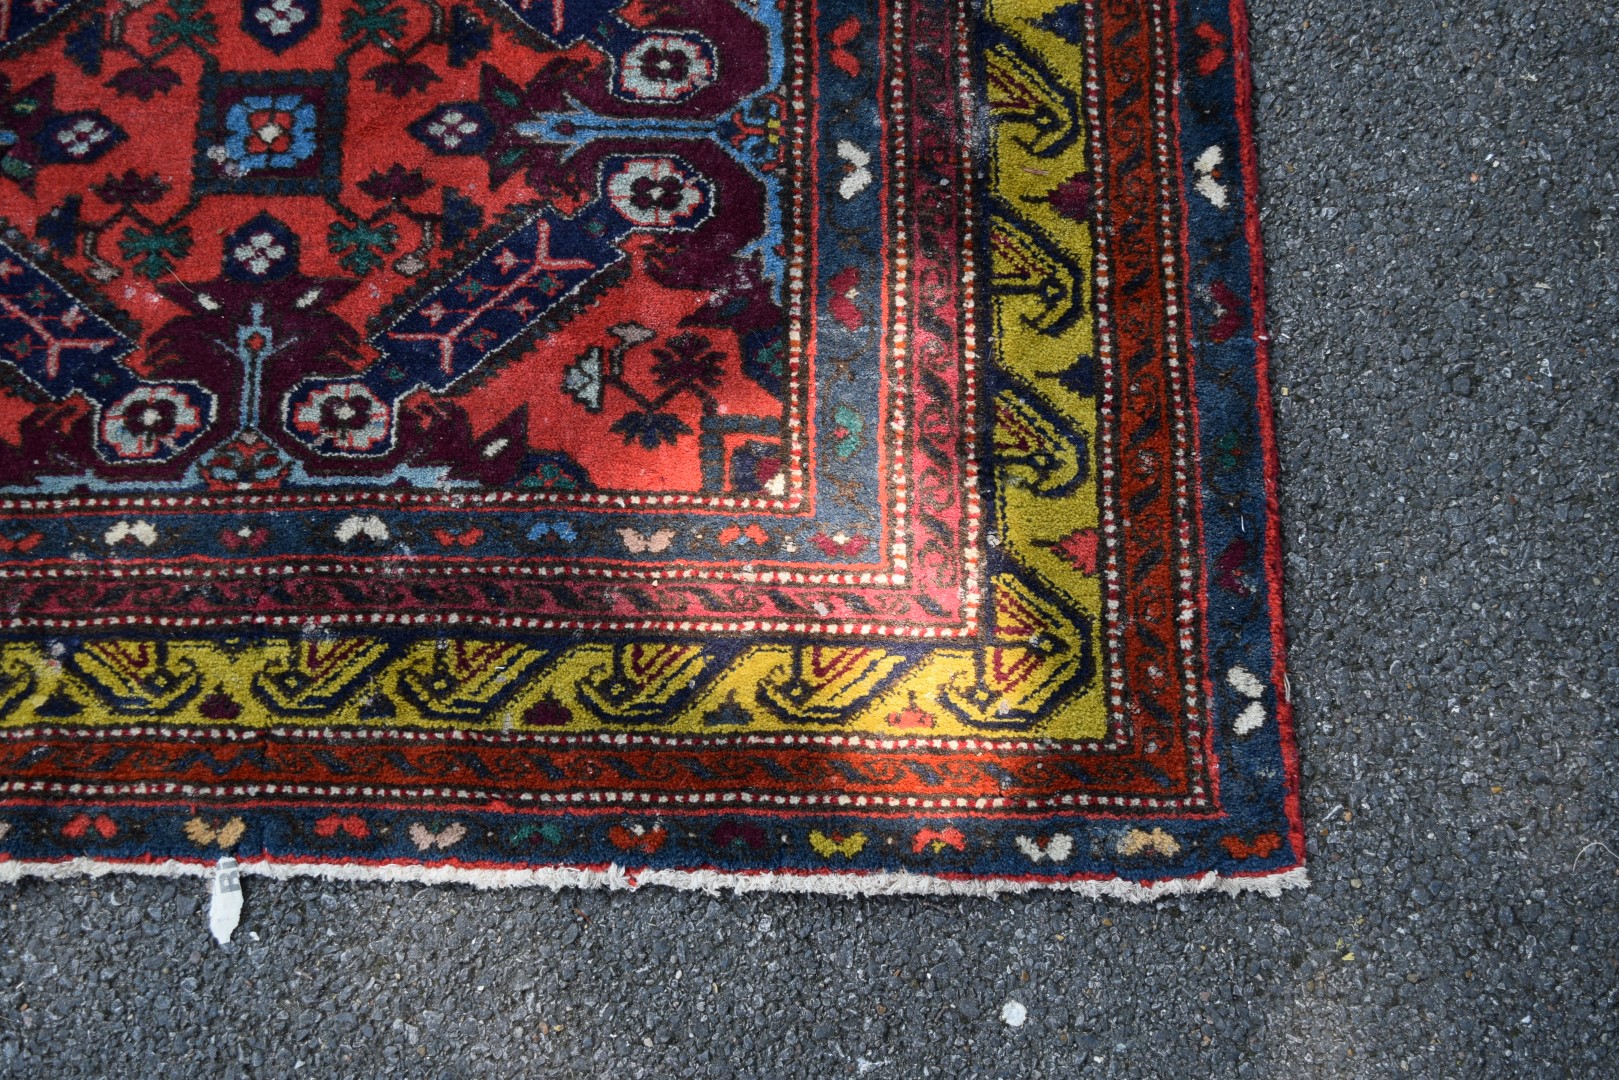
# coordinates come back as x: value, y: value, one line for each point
x: 814, y: 445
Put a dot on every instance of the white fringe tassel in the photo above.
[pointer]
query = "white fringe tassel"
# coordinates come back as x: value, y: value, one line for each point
x: 709, y: 881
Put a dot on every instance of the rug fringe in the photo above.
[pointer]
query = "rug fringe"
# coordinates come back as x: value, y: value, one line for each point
x: 708, y: 881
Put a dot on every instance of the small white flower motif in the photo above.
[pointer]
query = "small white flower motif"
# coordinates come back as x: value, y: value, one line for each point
x: 259, y: 252
x: 280, y: 16
x: 139, y: 531
x: 82, y: 136
x: 451, y: 127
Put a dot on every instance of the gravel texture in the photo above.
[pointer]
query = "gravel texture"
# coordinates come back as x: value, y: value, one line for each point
x: 1440, y: 212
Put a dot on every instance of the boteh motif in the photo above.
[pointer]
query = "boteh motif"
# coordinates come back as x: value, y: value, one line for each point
x: 827, y: 434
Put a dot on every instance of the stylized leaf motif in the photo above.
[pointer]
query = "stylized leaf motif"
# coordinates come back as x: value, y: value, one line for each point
x: 190, y: 25
x: 688, y: 361
x: 652, y: 429
x: 374, y: 22
x: 151, y: 251
x: 361, y: 246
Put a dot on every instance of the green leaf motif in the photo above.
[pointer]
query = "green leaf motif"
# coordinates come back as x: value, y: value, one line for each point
x: 150, y: 251
x: 548, y: 832
x: 374, y: 21
x: 361, y: 246
x: 190, y: 25
x: 846, y: 435
x: 773, y: 358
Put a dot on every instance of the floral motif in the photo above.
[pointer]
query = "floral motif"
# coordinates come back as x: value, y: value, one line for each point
x: 459, y: 127
x: 204, y: 833
x: 151, y: 423
x: 374, y: 22
x: 655, y: 192
x: 664, y: 67
x: 425, y: 838
x: 262, y: 250
x: 78, y: 137
x: 279, y: 17
x: 840, y: 543
x: 138, y: 532
x: 362, y: 246
x: 185, y: 23
x: 685, y: 364
x: 150, y: 251
x: 342, y: 418
x: 269, y: 131
x: 638, y: 838
x: 82, y: 824
x: 1056, y: 847
x: 687, y: 360
x: 278, y: 25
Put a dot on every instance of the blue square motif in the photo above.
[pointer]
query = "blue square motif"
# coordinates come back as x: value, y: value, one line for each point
x: 270, y: 133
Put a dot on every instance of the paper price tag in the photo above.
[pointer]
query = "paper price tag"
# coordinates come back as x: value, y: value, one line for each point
x: 225, y: 905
